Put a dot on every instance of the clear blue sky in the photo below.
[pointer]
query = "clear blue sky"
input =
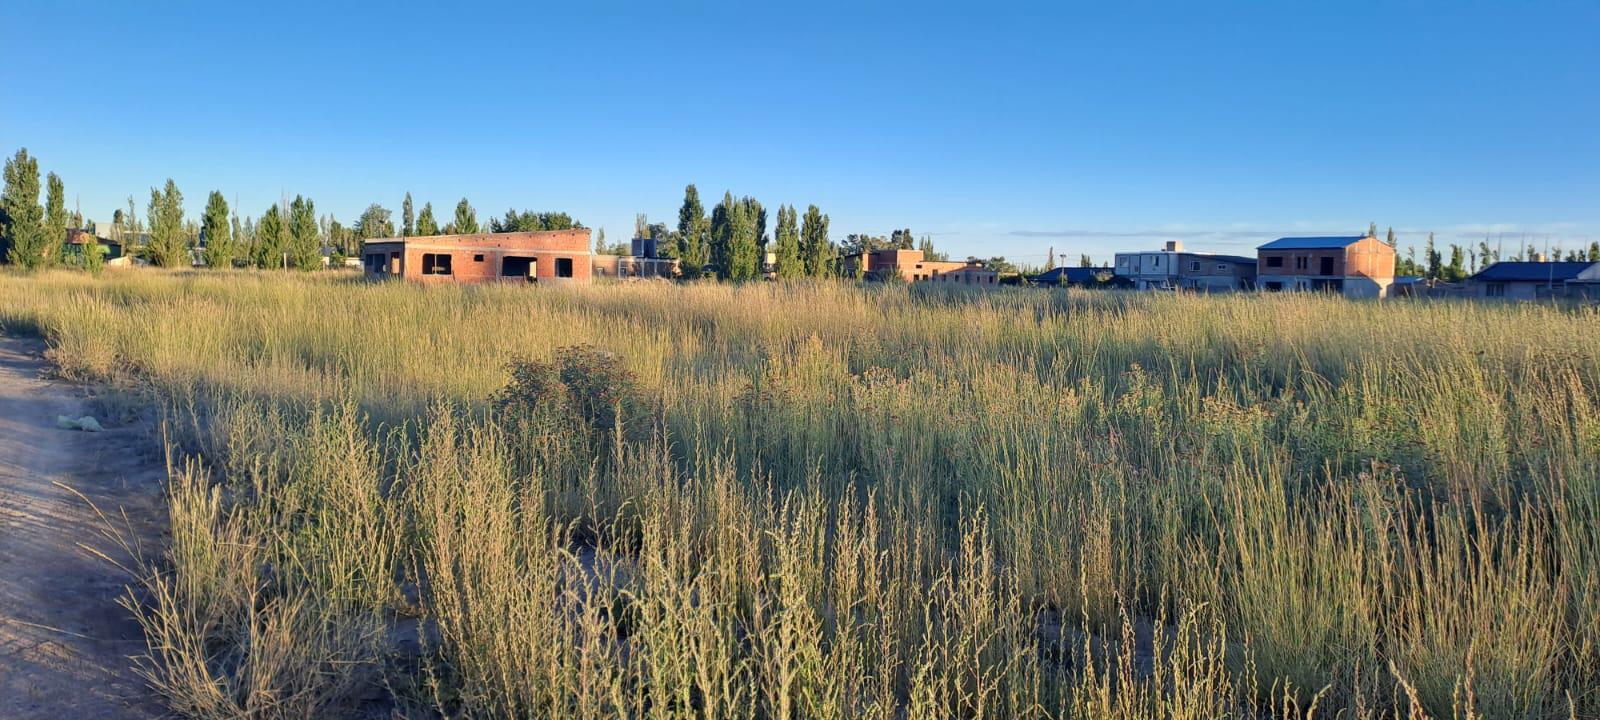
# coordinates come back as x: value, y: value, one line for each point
x: 999, y: 129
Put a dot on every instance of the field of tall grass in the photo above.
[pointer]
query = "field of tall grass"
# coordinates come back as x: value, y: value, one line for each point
x: 829, y: 501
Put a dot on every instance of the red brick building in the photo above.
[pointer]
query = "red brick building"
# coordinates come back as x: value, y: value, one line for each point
x: 555, y: 256
x: 1354, y: 266
x: 908, y: 264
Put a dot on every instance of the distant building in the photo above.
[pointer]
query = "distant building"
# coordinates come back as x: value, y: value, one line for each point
x: 625, y: 267
x: 1173, y: 268
x: 77, y: 238
x: 555, y: 256
x: 1355, y: 266
x: 643, y: 263
x: 1408, y: 286
x: 1206, y: 273
x: 972, y: 273
x: 908, y: 264
x: 1153, y: 269
x: 1536, y: 280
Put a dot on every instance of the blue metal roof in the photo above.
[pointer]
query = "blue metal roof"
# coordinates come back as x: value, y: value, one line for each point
x: 1312, y: 243
x: 1531, y: 271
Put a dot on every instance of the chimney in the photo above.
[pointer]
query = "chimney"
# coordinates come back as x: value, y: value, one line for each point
x: 1174, y: 246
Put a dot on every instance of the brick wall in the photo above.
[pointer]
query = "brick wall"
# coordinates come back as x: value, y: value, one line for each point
x: 555, y: 257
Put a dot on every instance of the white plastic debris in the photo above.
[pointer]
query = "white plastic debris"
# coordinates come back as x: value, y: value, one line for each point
x: 86, y: 423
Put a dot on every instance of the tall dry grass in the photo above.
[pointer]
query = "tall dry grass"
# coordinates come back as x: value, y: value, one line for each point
x: 832, y: 501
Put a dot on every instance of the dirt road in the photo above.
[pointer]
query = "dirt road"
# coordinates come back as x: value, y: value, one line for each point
x: 65, y: 643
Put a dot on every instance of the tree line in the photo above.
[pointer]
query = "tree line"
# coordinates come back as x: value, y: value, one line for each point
x: 288, y: 234
x: 1465, y: 261
x: 732, y: 243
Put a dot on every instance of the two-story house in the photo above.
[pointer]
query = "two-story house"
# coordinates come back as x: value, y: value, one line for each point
x: 1355, y: 266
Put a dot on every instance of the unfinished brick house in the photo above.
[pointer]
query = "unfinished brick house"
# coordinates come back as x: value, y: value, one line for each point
x: 908, y: 264
x: 554, y: 256
x: 1354, y: 266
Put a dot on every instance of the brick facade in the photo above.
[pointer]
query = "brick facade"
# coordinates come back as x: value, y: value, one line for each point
x: 1362, y: 267
x: 555, y: 256
x: 908, y: 264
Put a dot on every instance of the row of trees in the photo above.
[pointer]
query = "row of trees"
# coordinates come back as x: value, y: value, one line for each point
x: 1463, y: 261
x: 34, y: 235
x: 289, y: 234
x: 732, y: 241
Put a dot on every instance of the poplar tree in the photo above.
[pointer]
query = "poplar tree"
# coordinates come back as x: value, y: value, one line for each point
x: 744, y: 246
x: 55, y: 220
x: 466, y: 218
x: 1431, y: 256
x: 693, y: 244
x: 1390, y: 240
x: 20, y: 212
x: 270, y: 239
x: 721, y: 235
x: 409, y: 225
x: 305, y: 252
x: 787, y: 235
x: 168, y: 244
x: 758, y: 220
x: 815, y: 247
x: 94, y: 256
x: 426, y: 225
x: 1456, y: 270
x: 218, y: 232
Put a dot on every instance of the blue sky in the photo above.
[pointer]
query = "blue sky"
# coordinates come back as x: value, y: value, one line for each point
x: 997, y: 128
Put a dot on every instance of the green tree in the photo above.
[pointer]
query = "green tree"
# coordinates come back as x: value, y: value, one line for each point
x: 376, y: 223
x: 305, y: 246
x: 218, y: 232
x: 55, y: 220
x: 20, y: 212
x: 94, y: 256
x: 787, y: 235
x: 426, y: 225
x: 1085, y: 261
x: 530, y: 221
x: 271, y: 240
x: 745, y: 220
x: 1456, y: 271
x: 1372, y: 230
x: 168, y: 242
x: 340, y: 237
x: 694, y: 250
x: 721, y: 235
x: 410, y: 224
x: 1594, y: 251
x: 1434, y: 260
x: 758, y: 219
x: 466, y: 218
x: 815, y: 247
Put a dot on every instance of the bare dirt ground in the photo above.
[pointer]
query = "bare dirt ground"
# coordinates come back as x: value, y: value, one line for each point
x: 65, y: 643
